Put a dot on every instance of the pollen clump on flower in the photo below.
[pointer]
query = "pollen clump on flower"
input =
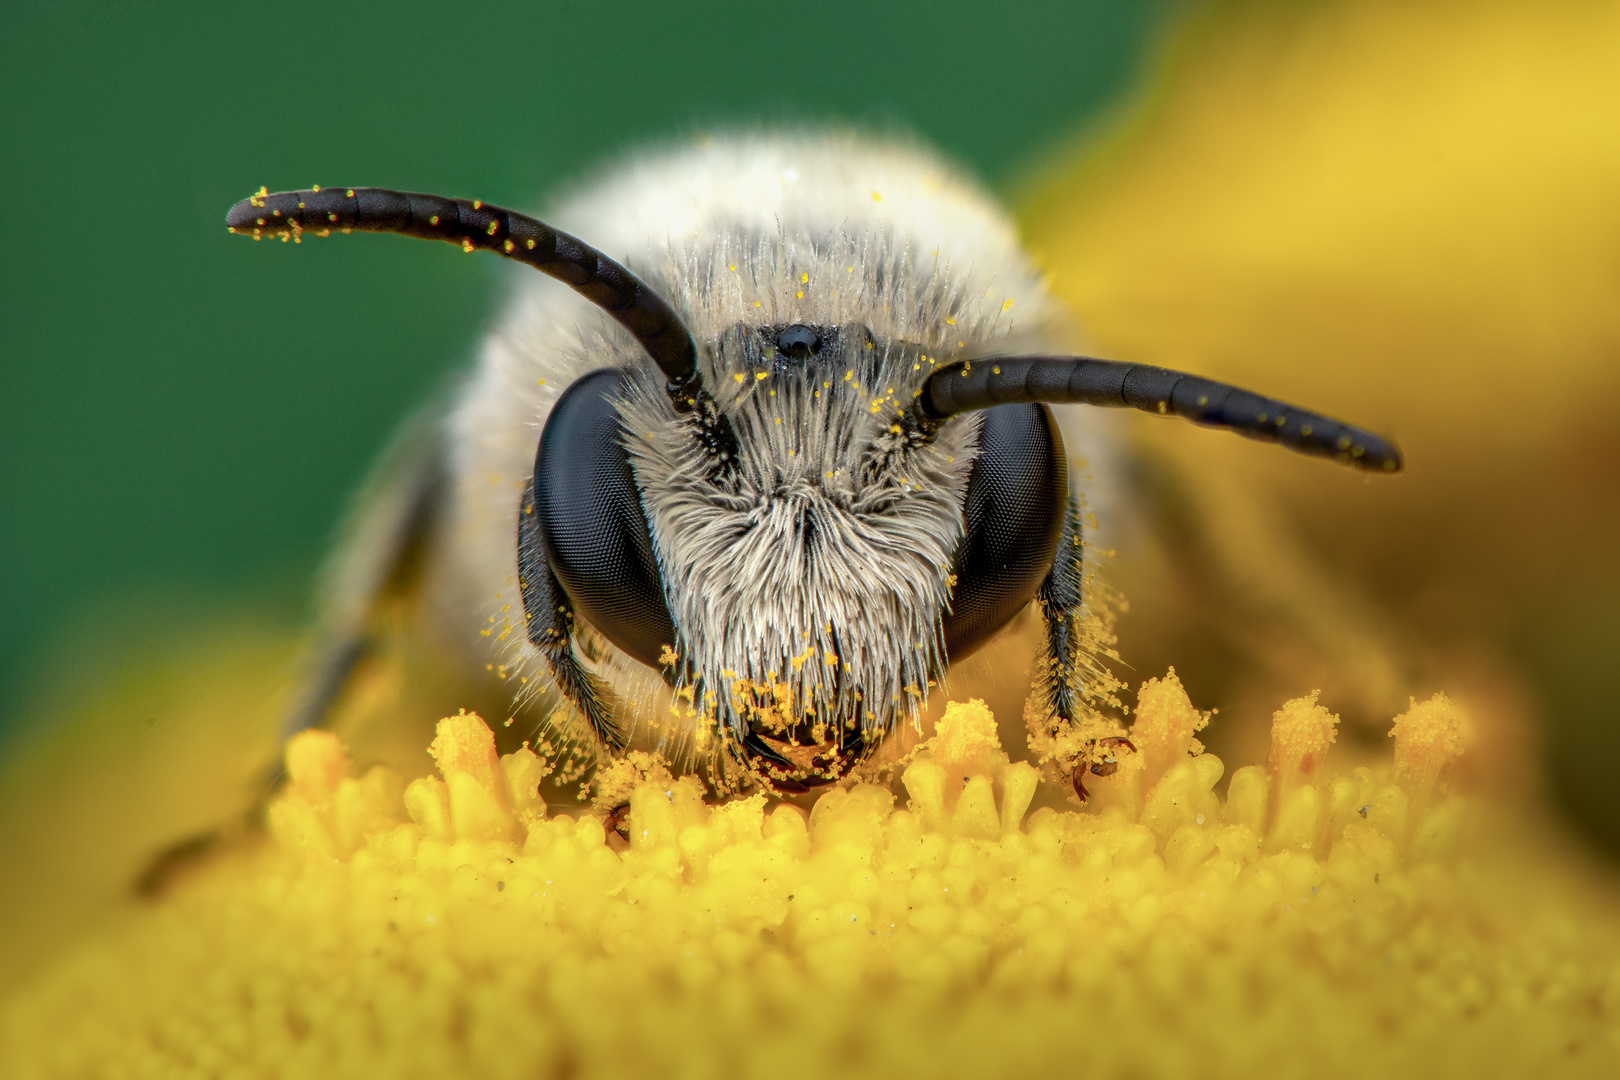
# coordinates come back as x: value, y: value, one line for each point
x: 1305, y: 918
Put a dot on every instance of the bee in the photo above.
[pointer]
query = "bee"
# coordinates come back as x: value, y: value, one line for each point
x: 782, y: 453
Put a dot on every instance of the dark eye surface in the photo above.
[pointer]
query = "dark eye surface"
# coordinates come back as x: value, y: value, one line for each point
x: 592, y: 526
x: 798, y: 342
x: 1012, y: 517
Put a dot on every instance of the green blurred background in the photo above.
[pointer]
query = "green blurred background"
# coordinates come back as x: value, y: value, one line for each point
x: 182, y: 415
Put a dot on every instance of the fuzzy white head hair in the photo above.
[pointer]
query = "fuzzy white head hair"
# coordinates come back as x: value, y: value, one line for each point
x: 816, y: 576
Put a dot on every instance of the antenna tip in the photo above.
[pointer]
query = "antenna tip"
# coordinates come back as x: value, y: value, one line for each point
x: 241, y: 216
x: 1376, y: 455
x: 245, y: 215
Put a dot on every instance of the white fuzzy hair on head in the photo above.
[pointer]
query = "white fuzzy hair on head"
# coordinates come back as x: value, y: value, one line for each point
x: 831, y: 540
x: 819, y: 569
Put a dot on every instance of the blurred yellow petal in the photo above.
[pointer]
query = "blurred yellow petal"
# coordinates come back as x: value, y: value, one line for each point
x: 1391, y: 208
x: 1407, y: 215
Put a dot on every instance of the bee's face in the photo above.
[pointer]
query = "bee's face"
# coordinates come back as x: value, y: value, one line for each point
x: 811, y: 593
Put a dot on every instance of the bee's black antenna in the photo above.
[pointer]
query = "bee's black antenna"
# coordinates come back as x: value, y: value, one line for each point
x: 478, y: 226
x: 978, y: 384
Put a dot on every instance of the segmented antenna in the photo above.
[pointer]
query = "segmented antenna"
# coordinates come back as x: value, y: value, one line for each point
x: 978, y: 384
x: 478, y: 226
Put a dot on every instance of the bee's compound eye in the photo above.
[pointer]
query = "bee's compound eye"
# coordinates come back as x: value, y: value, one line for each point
x: 798, y: 342
x: 1012, y: 518
x: 592, y: 526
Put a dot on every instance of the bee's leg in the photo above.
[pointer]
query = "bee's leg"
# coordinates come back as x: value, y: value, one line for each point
x: 549, y: 618
x: 378, y: 561
x: 1062, y: 600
